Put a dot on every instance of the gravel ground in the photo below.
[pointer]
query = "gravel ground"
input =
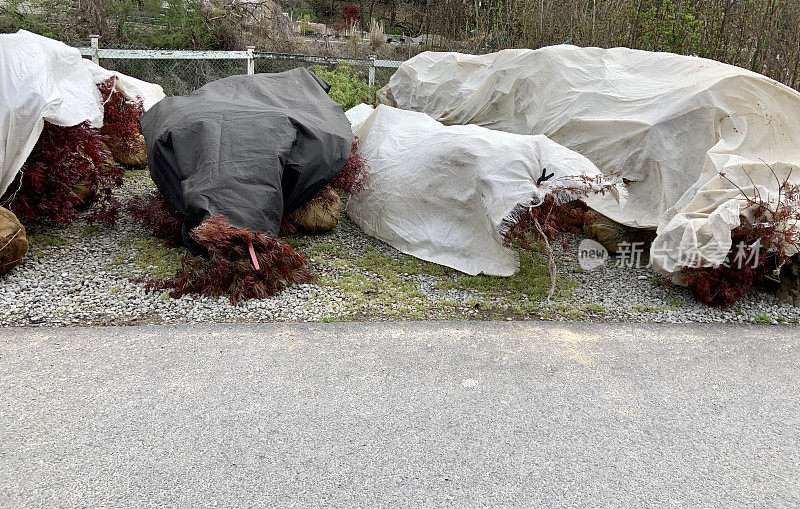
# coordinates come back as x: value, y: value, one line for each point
x: 80, y: 275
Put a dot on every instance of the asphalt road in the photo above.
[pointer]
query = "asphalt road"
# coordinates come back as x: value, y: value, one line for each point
x: 395, y: 415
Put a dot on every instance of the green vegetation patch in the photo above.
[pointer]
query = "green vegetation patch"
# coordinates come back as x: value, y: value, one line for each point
x: 347, y: 88
x: 136, y: 173
x: 150, y: 255
x: 373, y: 283
x: 531, y: 282
x: 49, y: 240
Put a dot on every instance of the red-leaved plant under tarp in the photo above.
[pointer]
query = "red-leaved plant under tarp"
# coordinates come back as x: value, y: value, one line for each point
x: 353, y: 179
x: 63, y: 159
x: 774, y: 232
x: 155, y: 214
x: 66, y: 160
x: 230, y: 268
x: 120, y: 116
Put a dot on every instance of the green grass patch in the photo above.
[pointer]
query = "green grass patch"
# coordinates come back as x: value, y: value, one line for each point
x: 89, y: 230
x: 51, y: 240
x: 762, y: 319
x: 151, y: 255
x: 137, y: 173
x: 532, y: 281
x: 595, y: 308
x: 657, y: 280
x: 387, y: 290
x: 677, y: 303
x: 646, y: 308
x: 375, y: 283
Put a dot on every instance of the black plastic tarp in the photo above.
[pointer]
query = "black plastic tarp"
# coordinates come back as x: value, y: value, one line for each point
x: 252, y: 148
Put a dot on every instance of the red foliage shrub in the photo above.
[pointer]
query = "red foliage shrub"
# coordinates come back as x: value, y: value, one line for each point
x: 120, y: 115
x: 721, y: 286
x: 155, y: 213
x: 354, y: 177
x: 765, y: 240
x: 339, y: 25
x: 63, y: 158
x: 556, y: 221
x: 560, y: 213
x: 350, y: 13
x: 288, y: 227
x: 230, y: 269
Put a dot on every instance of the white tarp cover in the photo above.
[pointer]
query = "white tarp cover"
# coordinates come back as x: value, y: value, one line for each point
x: 668, y: 123
x: 358, y: 114
x: 441, y: 193
x: 132, y: 88
x: 42, y: 79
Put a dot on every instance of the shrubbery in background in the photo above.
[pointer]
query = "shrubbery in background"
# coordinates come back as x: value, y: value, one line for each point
x: 760, y: 35
x: 347, y: 88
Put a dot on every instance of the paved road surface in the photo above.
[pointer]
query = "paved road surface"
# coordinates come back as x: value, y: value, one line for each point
x: 394, y: 415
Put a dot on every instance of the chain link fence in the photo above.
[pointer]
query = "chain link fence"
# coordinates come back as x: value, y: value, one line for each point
x: 182, y: 71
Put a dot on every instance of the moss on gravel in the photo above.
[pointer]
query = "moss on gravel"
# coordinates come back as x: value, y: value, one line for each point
x: 375, y: 284
x: 532, y: 281
x: 149, y: 255
x: 49, y: 240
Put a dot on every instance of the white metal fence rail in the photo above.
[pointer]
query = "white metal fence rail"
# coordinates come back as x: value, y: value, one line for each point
x: 249, y: 56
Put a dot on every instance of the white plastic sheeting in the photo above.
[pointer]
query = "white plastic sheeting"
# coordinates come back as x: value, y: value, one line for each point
x: 358, y: 114
x: 668, y: 124
x: 132, y: 88
x: 42, y: 79
x: 442, y: 193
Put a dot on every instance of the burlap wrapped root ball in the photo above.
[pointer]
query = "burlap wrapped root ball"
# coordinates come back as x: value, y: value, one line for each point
x: 130, y: 151
x: 320, y: 214
x: 789, y: 290
x: 86, y: 190
x: 13, y: 241
x: 611, y: 234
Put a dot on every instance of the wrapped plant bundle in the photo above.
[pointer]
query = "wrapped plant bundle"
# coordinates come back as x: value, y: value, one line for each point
x: 72, y: 167
x: 232, y: 267
x: 767, y: 236
x: 13, y: 241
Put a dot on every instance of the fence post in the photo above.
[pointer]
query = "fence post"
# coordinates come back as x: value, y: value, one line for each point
x: 95, y: 48
x: 371, y: 71
x: 251, y: 63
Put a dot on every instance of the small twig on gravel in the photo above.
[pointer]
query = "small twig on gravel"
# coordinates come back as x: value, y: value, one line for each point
x: 551, y: 264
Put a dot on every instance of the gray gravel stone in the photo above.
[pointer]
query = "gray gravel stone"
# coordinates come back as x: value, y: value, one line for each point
x: 87, y: 282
